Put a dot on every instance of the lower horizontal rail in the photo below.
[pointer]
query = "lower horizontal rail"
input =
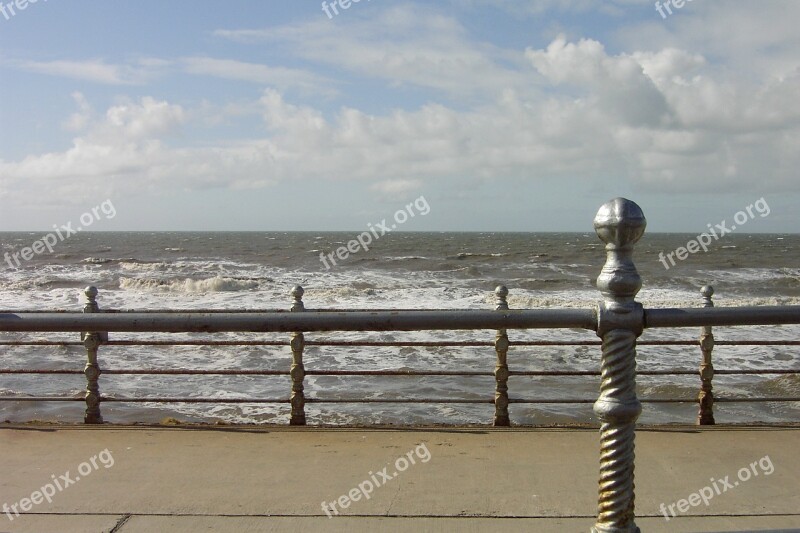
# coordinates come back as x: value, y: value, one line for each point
x: 466, y: 373
x: 399, y: 344
x: 193, y: 400
x: 751, y: 400
x: 381, y: 400
x: 40, y: 399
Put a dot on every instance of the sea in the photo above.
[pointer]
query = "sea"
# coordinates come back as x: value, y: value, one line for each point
x: 400, y: 270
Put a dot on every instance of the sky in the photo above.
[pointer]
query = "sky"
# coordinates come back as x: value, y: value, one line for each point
x: 503, y: 115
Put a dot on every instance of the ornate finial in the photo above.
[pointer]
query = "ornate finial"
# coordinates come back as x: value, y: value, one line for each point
x: 619, y: 223
x: 91, y: 293
x: 297, y: 293
x: 91, y: 300
x: 501, y: 292
x: 707, y: 291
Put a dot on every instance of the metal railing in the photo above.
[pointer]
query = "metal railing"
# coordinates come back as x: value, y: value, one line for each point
x: 618, y: 320
x: 501, y: 374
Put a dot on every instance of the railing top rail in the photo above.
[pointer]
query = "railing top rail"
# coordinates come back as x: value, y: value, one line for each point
x: 398, y: 320
x: 722, y: 316
x: 383, y: 320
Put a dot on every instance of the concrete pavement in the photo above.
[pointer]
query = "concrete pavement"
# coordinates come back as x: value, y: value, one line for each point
x: 134, y: 479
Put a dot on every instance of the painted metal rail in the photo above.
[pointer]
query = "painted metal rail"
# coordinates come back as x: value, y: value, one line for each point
x: 618, y: 320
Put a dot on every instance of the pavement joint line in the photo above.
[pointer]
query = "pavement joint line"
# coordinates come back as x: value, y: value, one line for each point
x: 120, y: 523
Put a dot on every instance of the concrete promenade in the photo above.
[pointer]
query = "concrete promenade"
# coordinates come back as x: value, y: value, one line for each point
x: 264, y: 479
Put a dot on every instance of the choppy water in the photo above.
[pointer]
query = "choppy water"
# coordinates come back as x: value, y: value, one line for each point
x: 400, y: 270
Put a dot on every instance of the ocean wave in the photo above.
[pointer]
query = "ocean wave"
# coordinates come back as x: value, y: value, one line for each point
x: 406, y: 258
x: 347, y: 294
x: 188, y: 285
x: 467, y: 255
x: 744, y: 275
x: 786, y: 385
x: 135, y: 264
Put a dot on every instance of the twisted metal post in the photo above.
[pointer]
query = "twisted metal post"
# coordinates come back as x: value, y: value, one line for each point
x: 501, y: 367
x: 619, y: 223
x: 705, y: 415
x: 92, y: 341
x: 297, y: 371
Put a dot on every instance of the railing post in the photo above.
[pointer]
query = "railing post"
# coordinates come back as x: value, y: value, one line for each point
x: 298, y: 371
x: 619, y: 223
x: 705, y: 416
x: 501, y: 367
x: 91, y: 341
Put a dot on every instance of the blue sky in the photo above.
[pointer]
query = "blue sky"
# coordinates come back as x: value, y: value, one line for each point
x: 506, y: 115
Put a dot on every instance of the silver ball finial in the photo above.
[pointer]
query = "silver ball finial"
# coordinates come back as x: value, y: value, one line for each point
x: 91, y: 293
x: 297, y: 294
x: 707, y: 291
x: 620, y: 222
x: 501, y: 292
x: 91, y: 300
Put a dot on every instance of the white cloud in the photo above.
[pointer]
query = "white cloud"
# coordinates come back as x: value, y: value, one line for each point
x: 748, y: 40
x: 94, y: 70
x: 617, y: 85
x: 400, y: 46
x: 672, y: 117
x: 121, y: 145
x: 134, y: 121
x: 279, y: 77
x: 397, y: 186
x: 80, y: 119
x: 540, y: 7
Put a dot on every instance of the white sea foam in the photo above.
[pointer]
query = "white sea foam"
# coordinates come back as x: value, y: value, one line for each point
x: 215, y: 284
